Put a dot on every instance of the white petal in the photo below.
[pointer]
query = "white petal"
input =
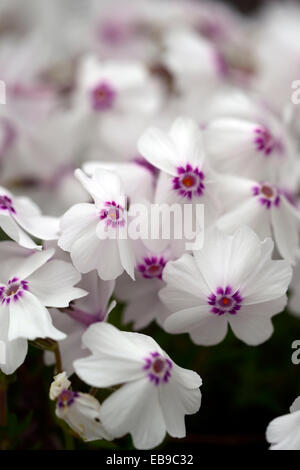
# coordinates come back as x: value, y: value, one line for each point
x: 10, y: 227
x: 108, y: 371
x: 250, y: 213
x: 109, y: 264
x: 86, y: 250
x: 187, y: 319
x: 177, y: 401
x: 53, y: 284
x: 127, y: 257
x: 185, y: 275
x: 252, y: 324
x: 33, y: 262
x: 75, y: 222
x: 15, y: 353
x: 186, y: 135
x: 268, y: 282
x: 286, y: 230
x: 159, y: 150
x: 283, y: 432
x: 30, y: 319
x: 228, y: 260
x: 28, y: 216
x: 211, y: 330
x: 141, y: 417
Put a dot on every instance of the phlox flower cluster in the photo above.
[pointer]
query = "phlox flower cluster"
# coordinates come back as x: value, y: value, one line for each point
x: 113, y: 104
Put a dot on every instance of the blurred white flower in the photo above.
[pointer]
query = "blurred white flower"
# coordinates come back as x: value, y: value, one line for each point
x: 19, y: 215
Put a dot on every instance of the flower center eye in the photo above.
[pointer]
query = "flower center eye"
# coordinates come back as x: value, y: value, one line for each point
x: 103, y: 97
x: 12, y: 290
x: 188, y: 181
x: 267, y: 191
x: 6, y: 204
x: 152, y: 267
x: 158, y: 368
x: 66, y: 398
x: 224, y: 301
x: 158, y: 365
x: 113, y: 214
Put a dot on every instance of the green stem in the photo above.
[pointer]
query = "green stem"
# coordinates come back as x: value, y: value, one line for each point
x: 58, y: 360
x: 93, y: 391
x: 48, y: 344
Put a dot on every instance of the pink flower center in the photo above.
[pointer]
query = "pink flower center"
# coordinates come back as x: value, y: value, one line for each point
x: 66, y: 398
x: 158, y: 368
x: 103, y: 97
x: 13, y: 291
x: 189, y: 182
x: 266, y: 142
x: 225, y: 301
x: 113, y: 214
x: 268, y: 195
x: 6, y: 204
x: 152, y: 267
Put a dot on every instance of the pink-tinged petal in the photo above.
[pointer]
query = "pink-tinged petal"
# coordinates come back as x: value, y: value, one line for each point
x: 250, y: 213
x: 30, y: 319
x: 83, y: 417
x: 53, y: 284
x: 31, y: 263
x: 99, y: 293
x: 141, y: 417
x: 159, y: 150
